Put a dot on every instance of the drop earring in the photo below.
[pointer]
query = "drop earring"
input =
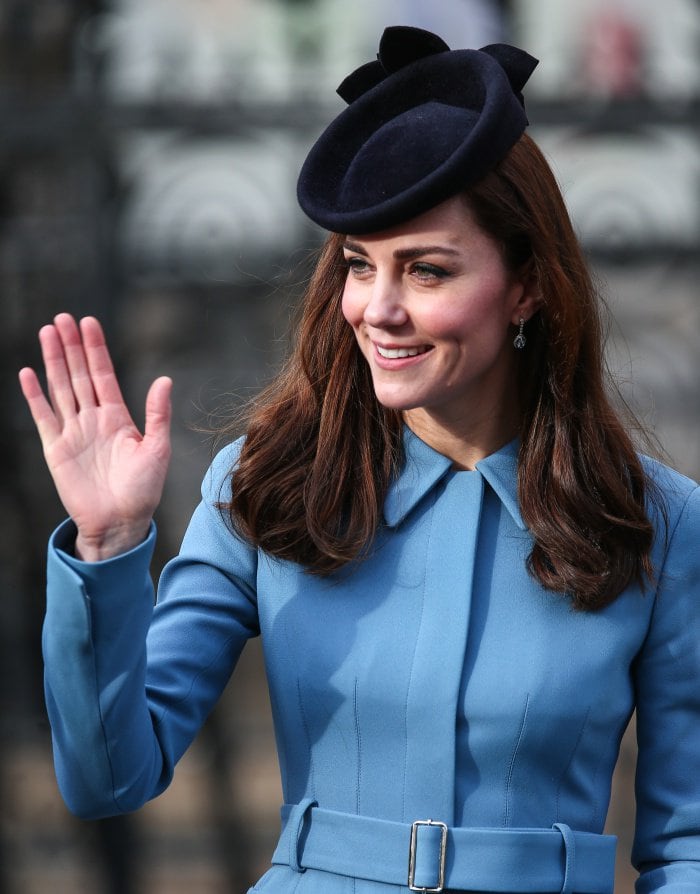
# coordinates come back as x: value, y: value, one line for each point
x: 520, y: 341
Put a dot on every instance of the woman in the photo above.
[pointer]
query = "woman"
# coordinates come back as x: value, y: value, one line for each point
x: 464, y: 576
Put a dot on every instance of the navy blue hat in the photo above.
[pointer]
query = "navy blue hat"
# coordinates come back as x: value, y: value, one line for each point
x: 423, y: 122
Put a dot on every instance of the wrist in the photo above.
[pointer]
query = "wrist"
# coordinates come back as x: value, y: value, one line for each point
x: 108, y: 544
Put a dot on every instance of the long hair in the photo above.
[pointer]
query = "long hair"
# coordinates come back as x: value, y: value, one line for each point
x: 320, y: 450
x: 582, y: 490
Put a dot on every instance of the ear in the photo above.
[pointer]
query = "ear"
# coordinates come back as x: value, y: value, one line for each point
x: 528, y: 301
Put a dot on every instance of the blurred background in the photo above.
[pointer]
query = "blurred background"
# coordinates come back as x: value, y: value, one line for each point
x: 148, y: 158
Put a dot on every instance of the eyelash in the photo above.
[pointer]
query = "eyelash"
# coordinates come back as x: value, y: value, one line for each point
x: 422, y: 269
x: 355, y: 265
x: 430, y: 271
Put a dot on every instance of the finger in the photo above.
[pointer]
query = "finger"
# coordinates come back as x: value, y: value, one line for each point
x: 58, y: 378
x: 104, y: 380
x: 158, y: 413
x: 76, y: 363
x: 42, y: 414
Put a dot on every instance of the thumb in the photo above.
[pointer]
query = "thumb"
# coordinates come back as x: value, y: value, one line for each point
x: 158, y: 411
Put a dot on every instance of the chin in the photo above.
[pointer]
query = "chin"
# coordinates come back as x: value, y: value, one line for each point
x: 396, y: 402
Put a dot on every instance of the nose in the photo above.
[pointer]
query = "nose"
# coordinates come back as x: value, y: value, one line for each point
x: 385, y: 308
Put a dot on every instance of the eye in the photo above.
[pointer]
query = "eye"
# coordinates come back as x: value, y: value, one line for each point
x: 426, y: 272
x: 357, y: 266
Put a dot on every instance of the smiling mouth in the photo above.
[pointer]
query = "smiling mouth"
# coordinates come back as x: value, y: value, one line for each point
x: 399, y: 353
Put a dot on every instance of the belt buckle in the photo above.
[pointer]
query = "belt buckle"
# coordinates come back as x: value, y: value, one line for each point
x: 412, y: 857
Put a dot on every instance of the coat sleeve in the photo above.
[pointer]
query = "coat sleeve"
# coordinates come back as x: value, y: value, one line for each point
x: 667, y: 840
x: 127, y: 684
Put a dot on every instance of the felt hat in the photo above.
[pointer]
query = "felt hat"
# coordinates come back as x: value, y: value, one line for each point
x: 423, y: 122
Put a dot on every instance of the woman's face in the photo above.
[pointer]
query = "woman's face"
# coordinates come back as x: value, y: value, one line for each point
x: 432, y: 306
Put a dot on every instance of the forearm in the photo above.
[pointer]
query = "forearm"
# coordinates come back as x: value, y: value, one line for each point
x: 108, y: 759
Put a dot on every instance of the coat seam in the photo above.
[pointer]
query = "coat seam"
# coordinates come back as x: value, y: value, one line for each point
x: 413, y: 658
x: 98, y: 693
x: 358, y: 740
x: 669, y: 545
x: 511, y: 766
x: 304, y: 723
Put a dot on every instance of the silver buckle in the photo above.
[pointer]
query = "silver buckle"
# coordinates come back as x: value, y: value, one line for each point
x: 412, y: 857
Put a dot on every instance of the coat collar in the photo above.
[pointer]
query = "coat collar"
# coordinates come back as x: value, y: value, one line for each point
x: 424, y: 467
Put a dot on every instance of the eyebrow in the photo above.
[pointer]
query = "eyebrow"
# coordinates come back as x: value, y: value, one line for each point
x: 405, y: 254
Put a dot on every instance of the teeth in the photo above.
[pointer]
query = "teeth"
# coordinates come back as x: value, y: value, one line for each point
x: 398, y: 353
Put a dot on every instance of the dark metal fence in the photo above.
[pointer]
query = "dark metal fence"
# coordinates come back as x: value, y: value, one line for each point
x: 78, y: 232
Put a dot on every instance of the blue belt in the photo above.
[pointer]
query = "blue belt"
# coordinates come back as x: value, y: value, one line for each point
x: 429, y: 856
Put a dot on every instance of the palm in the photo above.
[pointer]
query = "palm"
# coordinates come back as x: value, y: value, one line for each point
x: 108, y: 475
x: 101, y: 464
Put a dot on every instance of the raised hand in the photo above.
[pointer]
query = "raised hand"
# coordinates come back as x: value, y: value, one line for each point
x: 108, y: 475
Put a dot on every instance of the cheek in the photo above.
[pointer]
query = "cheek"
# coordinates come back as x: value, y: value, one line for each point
x: 351, y: 306
x: 480, y: 313
x: 447, y: 322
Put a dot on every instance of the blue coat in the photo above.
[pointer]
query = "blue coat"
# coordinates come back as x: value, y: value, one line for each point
x: 434, y: 679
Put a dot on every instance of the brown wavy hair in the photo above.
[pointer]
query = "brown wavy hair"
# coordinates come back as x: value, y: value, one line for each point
x: 321, y: 451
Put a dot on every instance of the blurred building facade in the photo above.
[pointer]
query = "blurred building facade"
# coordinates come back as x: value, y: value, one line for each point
x: 148, y: 159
